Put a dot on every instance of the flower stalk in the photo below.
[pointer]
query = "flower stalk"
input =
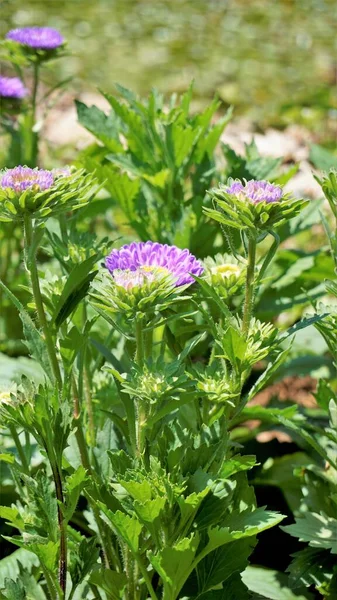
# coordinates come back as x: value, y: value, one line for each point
x: 30, y: 260
x: 249, y: 293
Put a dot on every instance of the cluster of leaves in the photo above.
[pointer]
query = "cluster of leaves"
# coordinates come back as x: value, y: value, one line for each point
x: 123, y: 468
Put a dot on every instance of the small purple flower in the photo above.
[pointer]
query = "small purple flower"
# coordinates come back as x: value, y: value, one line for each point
x: 20, y: 179
x: 145, y: 258
x: 40, y: 38
x: 256, y: 191
x: 12, y: 87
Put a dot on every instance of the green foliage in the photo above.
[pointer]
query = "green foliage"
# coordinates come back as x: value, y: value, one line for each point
x: 127, y: 466
x: 158, y: 177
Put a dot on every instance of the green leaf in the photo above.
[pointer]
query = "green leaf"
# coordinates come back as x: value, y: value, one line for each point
x: 75, y: 289
x: 10, y: 565
x: 221, y: 564
x: 236, y: 464
x: 14, y: 590
x: 268, y: 373
x: 139, y: 490
x: 101, y: 125
x: 12, y: 517
x: 149, y: 512
x: 83, y: 560
x: 234, y: 345
x: 311, y: 566
x: 241, y: 525
x: 73, y: 486
x: 111, y: 582
x: 173, y: 564
x: 122, y: 187
x: 319, y: 530
x: 34, y: 340
x: 271, y: 585
x: 322, y: 158
x: 128, y: 528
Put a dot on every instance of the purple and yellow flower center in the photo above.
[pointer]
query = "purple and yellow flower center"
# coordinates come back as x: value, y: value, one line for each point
x: 23, y: 178
x: 256, y: 191
x: 12, y: 87
x: 141, y: 262
x: 39, y: 38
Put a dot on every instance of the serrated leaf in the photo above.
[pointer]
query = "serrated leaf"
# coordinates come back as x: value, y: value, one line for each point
x: 173, y: 564
x: 319, y: 530
x: 271, y: 585
x: 221, y: 564
x: 241, y: 525
x: 236, y: 464
x: 99, y: 124
x: 311, y: 566
x: 10, y: 565
x: 128, y: 528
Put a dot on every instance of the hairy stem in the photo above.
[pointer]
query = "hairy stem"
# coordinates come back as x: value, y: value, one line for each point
x: 19, y: 448
x: 82, y: 446
x: 62, y: 528
x: 34, y: 277
x: 249, y: 295
x: 139, y: 342
x: 146, y: 577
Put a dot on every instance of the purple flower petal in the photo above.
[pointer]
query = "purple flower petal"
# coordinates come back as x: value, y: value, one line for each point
x: 23, y: 178
x: 40, y: 38
x: 180, y: 263
x: 256, y: 191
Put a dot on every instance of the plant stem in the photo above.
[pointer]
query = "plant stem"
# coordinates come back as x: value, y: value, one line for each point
x: 50, y: 584
x: 62, y: 528
x: 82, y: 446
x: 34, y: 276
x: 249, y: 295
x: 148, y: 343
x: 139, y: 342
x: 146, y: 577
x: 19, y: 448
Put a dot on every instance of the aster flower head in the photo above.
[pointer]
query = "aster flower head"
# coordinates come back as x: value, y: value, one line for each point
x: 256, y: 191
x: 38, y: 38
x: 12, y: 88
x: 144, y: 278
x: 20, y: 179
x: 252, y: 205
x: 142, y: 259
x: 39, y: 193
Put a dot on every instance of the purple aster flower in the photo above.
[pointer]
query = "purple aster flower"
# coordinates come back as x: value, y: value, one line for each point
x: 12, y: 87
x: 40, y: 38
x: 23, y: 178
x: 256, y: 191
x: 151, y: 258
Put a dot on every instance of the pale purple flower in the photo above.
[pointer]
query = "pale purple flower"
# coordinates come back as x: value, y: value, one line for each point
x: 256, y: 191
x: 39, y: 38
x: 12, y: 87
x: 20, y: 179
x: 144, y: 258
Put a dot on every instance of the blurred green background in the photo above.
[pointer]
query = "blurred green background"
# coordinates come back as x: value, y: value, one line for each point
x: 274, y: 60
